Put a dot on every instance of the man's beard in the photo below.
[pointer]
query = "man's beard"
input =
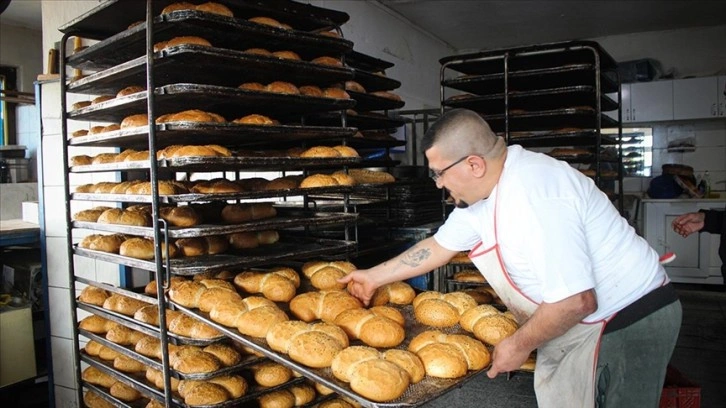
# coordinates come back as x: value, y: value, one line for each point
x: 458, y: 203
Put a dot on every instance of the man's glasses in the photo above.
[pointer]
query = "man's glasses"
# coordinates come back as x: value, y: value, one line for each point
x: 437, y: 174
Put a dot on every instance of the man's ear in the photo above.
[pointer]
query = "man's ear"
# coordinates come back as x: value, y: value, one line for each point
x: 477, y: 164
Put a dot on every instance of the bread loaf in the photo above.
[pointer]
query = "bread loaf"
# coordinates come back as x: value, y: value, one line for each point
x: 191, y: 115
x: 449, y: 356
x: 93, y: 295
x: 215, y: 8
x: 323, y: 305
x: 278, y: 285
x: 123, y: 335
x: 254, y: 119
x: 79, y: 133
x: 124, y: 392
x: 102, y: 98
x: 311, y: 90
x: 313, y: 345
x: 363, y: 176
x: 103, y: 243
x: 119, y: 216
x: 140, y: 119
x: 469, y: 275
x: 182, y: 216
x: 258, y: 51
x: 196, y: 393
x: 318, y: 180
x: 150, y: 288
x: 252, y: 316
x: 276, y: 399
x: 192, y: 360
x: 95, y: 376
x: 398, y: 293
x: 323, y: 275
x: 96, y: 324
x: 129, y: 90
x: 282, y: 88
x: 90, y: 215
x: 330, y: 61
x: 336, y: 403
x: 239, y: 213
x: 186, y: 326
x: 186, y: 40
x: 488, y: 324
x: 157, y: 378
x: 215, y: 187
x: 104, y: 158
x: 143, y: 248
x: 320, y: 151
x: 370, y: 375
x: 79, y: 105
x: 128, y: 365
x: 270, y: 374
x: 379, y: 326
x: 387, y: 95
x: 346, y: 151
x: 441, y: 310
x: 354, y: 86
x: 93, y: 400
x: 335, y: 93
x: 226, y: 354
x: 283, y: 183
x: 165, y: 188
x: 287, y: 55
x: 81, y: 160
x: 269, y: 22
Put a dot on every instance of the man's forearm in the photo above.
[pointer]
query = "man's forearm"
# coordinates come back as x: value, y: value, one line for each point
x: 417, y: 260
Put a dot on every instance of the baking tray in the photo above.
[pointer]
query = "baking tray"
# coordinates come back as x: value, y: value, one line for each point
x: 238, y: 163
x: 286, y: 218
x: 103, y: 393
x: 208, y: 65
x: 366, y: 62
x: 231, y: 103
x: 417, y: 394
x: 366, y: 102
x: 552, y: 138
x: 192, y: 197
x: 227, y: 134
x: 113, y: 16
x: 530, y: 57
x: 372, y: 82
x: 221, y: 31
x: 297, y: 248
x: 121, y: 291
x: 148, y: 329
x: 533, y: 79
x: 576, y: 117
x: 360, y: 120
x: 543, y: 99
x: 157, y: 365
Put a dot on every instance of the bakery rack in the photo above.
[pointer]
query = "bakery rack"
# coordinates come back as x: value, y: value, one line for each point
x: 544, y: 96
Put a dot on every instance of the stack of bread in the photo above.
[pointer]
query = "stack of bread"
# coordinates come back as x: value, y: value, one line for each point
x: 449, y: 355
x: 311, y: 344
x: 441, y: 310
x: 278, y: 284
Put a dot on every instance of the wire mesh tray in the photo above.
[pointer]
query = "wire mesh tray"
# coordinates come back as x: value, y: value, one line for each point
x: 231, y: 103
x: 533, y: 79
x: 544, y: 99
x: 577, y: 117
x: 297, y: 248
x: 360, y: 120
x: 210, y: 164
x: 372, y: 82
x: 207, y: 65
x: 113, y: 16
x: 367, y: 102
x: 227, y: 134
x: 148, y: 329
x: 103, y: 393
x: 417, y: 394
x: 222, y: 31
x: 246, y: 361
x: 192, y: 197
x: 285, y: 219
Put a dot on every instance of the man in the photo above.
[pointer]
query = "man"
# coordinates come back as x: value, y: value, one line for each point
x: 712, y: 221
x: 560, y: 257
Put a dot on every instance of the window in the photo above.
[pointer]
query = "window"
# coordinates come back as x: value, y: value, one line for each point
x: 637, y: 151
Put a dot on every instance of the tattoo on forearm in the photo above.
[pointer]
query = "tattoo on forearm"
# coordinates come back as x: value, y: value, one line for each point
x: 414, y: 257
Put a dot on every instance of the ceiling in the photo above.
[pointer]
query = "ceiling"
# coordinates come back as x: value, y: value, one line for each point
x: 485, y: 24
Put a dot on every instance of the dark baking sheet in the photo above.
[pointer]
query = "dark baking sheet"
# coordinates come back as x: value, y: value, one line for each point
x: 227, y: 134
x: 360, y: 120
x: 417, y: 394
x: 583, y: 118
x: 372, y: 82
x: 286, y: 218
x: 366, y: 62
x: 367, y: 143
x: 221, y: 31
x: 533, y: 79
x: 192, y: 197
x: 553, y: 138
x: 232, y: 103
x: 530, y: 57
x: 207, y: 65
x: 113, y: 16
x: 297, y: 248
x: 544, y: 99
x: 367, y: 102
x: 209, y: 164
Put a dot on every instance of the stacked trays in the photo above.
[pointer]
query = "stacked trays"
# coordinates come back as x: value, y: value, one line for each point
x: 544, y: 96
x: 192, y: 76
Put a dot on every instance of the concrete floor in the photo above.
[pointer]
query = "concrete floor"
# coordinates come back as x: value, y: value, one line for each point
x: 700, y: 356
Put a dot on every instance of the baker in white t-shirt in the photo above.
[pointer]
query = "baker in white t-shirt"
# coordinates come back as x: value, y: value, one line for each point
x: 588, y: 292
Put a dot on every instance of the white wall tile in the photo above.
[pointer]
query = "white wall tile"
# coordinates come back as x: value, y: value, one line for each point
x: 60, y: 312
x: 52, y: 161
x: 84, y: 267
x: 66, y: 397
x: 108, y: 272
x: 706, y: 158
x: 55, y: 218
x: 57, y: 261
x: 50, y: 100
x: 63, y: 371
x: 51, y: 126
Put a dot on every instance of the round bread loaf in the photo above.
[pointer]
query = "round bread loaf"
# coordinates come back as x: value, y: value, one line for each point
x: 270, y: 374
x: 79, y: 133
x: 96, y: 130
x: 258, y: 51
x: 282, y: 88
x: 311, y: 90
x: 276, y: 399
x: 323, y: 305
x: 481, y: 295
x: 129, y: 90
x: 268, y: 22
x: 103, y: 243
x: 142, y: 248
x: 253, y: 86
x: 183, y: 5
x: 157, y: 378
x: 104, y: 158
x: 239, y: 213
x: 97, y: 377
x: 398, y: 293
x: 254, y: 119
x: 343, y: 179
x: 346, y: 151
x: 191, y: 115
x: 283, y: 183
x: 121, y: 188
x: 469, y: 275
x: 354, y: 86
x: 303, y: 393
x: 96, y: 324
x: 93, y: 295
x: 215, y: 8
x: 202, y: 393
x: 121, y: 390
x: 122, y: 217
x: 314, y: 345
x: 363, y: 176
x: 441, y: 310
x: 140, y: 119
x: 123, y: 335
x: 287, y: 55
x: 136, y: 156
x: 102, y: 98
x: 449, y: 356
x: 488, y: 324
x: 321, y: 151
x: 111, y: 128
x: 182, y: 216
x: 318, y: 180
x: 278, y: 285
x: 90, y: 215
x: 81, y: 104
x: 370, y: 375
x: 184, y: 40
x: 123, y: 304
x: 124, y: 154
x: 128, y: 365
x: 408, y: 361
x: 323, y: 275
x: 165, y: 188
x: 192, y: 360
x: 329, y: 61
x: 335, y: 93
x: 373, y: 326
x: 243, y: 240
x: 226, y: 354
x: 191, y: 246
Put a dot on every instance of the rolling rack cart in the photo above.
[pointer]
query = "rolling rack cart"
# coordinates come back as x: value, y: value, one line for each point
x: 184, y: 77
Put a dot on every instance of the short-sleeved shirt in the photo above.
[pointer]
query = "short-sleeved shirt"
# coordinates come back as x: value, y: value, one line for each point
x: 558, y: 234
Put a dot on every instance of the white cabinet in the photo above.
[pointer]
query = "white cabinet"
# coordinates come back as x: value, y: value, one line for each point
x: 645, y: 102
x: 697, y: 259
x: 696, y: 98
x: 721, y: 91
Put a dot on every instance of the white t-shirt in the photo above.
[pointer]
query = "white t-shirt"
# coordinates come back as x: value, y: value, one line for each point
x: 558, y: 234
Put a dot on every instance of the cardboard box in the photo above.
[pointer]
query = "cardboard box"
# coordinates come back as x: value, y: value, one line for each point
x: 30, y: 211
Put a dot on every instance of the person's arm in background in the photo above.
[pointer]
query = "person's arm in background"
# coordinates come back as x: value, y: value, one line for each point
x: 423, y: 257
x: 704, y: 220
x: 713, y: 221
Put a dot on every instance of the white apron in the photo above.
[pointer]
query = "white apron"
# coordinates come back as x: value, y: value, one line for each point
x: 565, y: 369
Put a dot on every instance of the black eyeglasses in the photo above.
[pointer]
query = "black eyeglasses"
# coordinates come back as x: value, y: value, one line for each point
x: 436, y: 175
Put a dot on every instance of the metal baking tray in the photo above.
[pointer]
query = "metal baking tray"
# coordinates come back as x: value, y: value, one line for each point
x: 235, y: 163
x: 286, y: 218
x: 192, y: 197
x: 359, y: 60
x: 221, y: 31
x: 367, y: 102
x: 157, y: 365
x: 121, y: 291
x: 552, y: 138
x: 366, y: 143
x: 227, y: 134
x: 231, y: 103
x: 372, y: 82
x: 103, y: 393
x: 417, y: 394
x: 148, y: 329
x: 208, y: 65
x: 543, y: 99
x: 360, y: 120
x: 530, y: 57
x: 585, y: 118
x: 533, y: 79
x: 297, y: 248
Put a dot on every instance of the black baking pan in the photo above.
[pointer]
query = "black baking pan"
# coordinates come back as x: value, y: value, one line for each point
x: 366, y: 62
x: 367, y: 102
x: 359, y: 120
x: 575, y: 117
x: 113, y: 16
x: 561, y: 137
x: 208, y: 65
x: 539, y: 100
x: 232, y: 103
x: 533, y: 79
x: 227, y: 134
x: 374, y: 82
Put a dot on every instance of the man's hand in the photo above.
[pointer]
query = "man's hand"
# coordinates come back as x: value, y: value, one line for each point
x: 507, y: 357
x: 687, y: 224
x: 360, y: 284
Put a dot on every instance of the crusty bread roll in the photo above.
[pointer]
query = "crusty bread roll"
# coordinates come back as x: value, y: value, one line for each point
x: 226, y: 354
x: 103, y: 187
x: 363, y: 176
x: 441, y: 310
x: 330, y: 61
x: 270, y: 374
x: 323, y: 275
x: 254, y: 119
x: 127, y: 365
x: 398, y: 293
x: 143, y: 248
x: 287, y: 54
x: 183, y: 5
x: 276, y: 399
x: 243, y: 240
x: 192, y: 360
x: 104, y: 158
x: 150, y: 314
x: 90, y: 215
x: 104, y: 243
x: 182, y: 216
x: 140, y: 119
x: 81, y: 160
x: 253, y: 86
x: 119, y: 216
x: 124, y: 154
x: 93, y: 400
x: 283, y: 183
x: 197, y: 393
x: 185, y: 40
x: 97, y: 350
x: 95, y: 376
x: 79, y: 133
x: 269, y: 22
x: 94, y: 295
x: 96, y: 130
x: 323, y: 305
x: 481, y: 295
x: 335, y: 93
x: 129, y: 90
x: 123, y: 335
x: 449, y: 356
x: 96, y: 324
x: 123, y: 304
x: 252, y: 316
x: 239, y: 213
x: 165, y: 188
x: 318, y: 180
x: 320, y: 151
x: 258, y: 51
x: 282, y: 88
x: 336, y: 403
x: 303, y: 393
x: 186, y: 326
x: 191, y: 115
x: 461, y: 258
x: 488, y: 324
x: 346, y: 151
x: 215, y: 8
x: 369, y: 374
x: 278, y: 285
x: 354, y: 86
x: 81, y: 104
x: 469, y: 275
x: 102, y: 98
x: 314, y: 345
x: 379, y: 326
x: 311, y: 90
